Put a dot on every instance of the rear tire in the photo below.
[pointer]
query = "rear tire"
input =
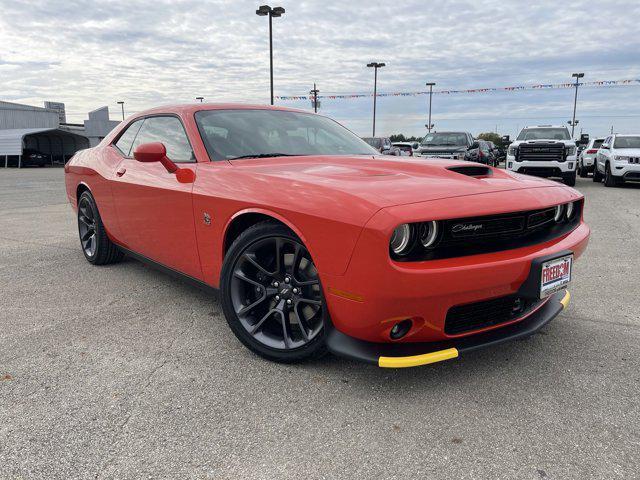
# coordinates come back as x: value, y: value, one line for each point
x: 271, y: 295
x: 583, y: 173
x: 569, y: 179
x: 98, y: 249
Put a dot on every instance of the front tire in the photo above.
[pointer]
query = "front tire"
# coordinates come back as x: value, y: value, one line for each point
x: 98, y: 249
x: 582, y: 171
x: 570, y: 179
x: 271, y: 294
x: 597, y: 177
x: 609, y: 179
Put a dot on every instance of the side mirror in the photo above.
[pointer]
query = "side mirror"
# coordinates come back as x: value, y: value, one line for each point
x: 475, y: 145
x: 385, y: 148
x: 154, y: 152
x: 415, y: 145
x: 506, y: 139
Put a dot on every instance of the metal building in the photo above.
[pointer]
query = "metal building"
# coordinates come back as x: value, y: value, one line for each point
x: 25, y: 129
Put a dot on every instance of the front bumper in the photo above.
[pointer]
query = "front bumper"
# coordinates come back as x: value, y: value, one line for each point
x: 626, y: 170
x: 402, y: 355
x: 546, y: 169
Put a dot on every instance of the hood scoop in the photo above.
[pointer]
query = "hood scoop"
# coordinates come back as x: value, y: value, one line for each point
x: 476, y: 171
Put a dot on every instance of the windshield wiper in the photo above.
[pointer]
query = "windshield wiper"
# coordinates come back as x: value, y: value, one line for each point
x: 266, y: 155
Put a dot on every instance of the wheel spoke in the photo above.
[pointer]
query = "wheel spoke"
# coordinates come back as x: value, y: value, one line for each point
x: 279, y: 260
x: 260, y: 322
x: 85, y: 220
x: 308, y: 283
x: 90, y: 233
x: 250, y: 258
x: 285, y: 333
x: 297, y: 257
x: 253, y: 305
x: 302, y: 323
x: 309, y: 301
x: 242, y: 276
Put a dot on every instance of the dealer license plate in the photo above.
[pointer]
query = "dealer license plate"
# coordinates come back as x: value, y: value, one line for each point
x: 555, y: 275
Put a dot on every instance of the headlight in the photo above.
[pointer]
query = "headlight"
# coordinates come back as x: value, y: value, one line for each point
x: 461, y: 156
x: 620, y: 158
x: 428, y: 233
x: 569, y: 210
x: 512, y: 150
x: 559, y: 211
x: 401, y: 239
x: 571, y: 151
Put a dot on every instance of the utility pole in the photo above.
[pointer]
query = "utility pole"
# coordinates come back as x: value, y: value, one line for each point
x: 122, y: 105
x: 375, y: 66
x: 315, y: 92
x: 430, y: 85
x: 573, y: 122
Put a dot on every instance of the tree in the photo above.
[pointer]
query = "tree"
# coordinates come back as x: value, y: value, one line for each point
x: 492, y: 137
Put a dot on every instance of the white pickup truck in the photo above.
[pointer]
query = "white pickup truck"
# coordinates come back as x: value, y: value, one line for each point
x: 544, y: 151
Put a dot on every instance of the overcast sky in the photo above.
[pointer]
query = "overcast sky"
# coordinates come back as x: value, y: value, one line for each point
x: 88, y: 54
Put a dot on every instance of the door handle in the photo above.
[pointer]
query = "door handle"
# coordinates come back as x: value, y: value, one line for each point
x: 121, y: 171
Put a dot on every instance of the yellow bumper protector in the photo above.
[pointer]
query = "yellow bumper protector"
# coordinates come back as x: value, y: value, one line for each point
x: 417, y: 360
x: 565, y: 299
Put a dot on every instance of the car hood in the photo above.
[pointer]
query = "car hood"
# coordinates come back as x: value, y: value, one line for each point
x: 550, y: 140
x: 627, y: 152
x: 384, y: 181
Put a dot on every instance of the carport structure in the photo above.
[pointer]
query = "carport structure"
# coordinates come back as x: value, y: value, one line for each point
x: 57, y: 143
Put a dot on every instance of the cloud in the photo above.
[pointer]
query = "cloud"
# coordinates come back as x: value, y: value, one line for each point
x: 89, y: 54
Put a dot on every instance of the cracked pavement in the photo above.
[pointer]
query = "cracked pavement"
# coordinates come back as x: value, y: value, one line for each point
x: 124, y: 372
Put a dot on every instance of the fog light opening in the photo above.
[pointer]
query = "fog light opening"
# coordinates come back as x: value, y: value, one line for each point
x: 400, y: 329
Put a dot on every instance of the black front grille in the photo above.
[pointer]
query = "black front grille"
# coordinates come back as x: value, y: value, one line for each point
x: 439, y: 153
x: 541, y: 171
x: 487, y: 313
x: 541, y: 152
x: 492, y: 233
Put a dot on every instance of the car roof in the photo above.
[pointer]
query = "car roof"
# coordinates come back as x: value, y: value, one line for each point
x: 191, y: 108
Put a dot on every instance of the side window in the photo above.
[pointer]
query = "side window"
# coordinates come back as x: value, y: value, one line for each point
x: 170, y: 132
x: 126, y: 139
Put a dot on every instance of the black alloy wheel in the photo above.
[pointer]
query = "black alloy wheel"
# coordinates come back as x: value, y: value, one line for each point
x: 96, y: 245
x: 87, y: 226
x: 271, y: 294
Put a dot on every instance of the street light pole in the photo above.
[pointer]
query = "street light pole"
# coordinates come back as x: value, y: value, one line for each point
x: 315, y: 92
x: 430, y: 85
x: 122, y: 105
x: 577, y: 76
x: 263, y: 11
x: 375, y: 66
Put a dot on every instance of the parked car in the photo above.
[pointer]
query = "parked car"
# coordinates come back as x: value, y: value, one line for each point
x: 618, y: 160
x: 587, y: 158
x: 34, y: 157
x: 383, y: 145
x: 317, y: 243
x: 406, y: 148
x: 483, y: 154
x: 544, y: 151
x: 457, y: 145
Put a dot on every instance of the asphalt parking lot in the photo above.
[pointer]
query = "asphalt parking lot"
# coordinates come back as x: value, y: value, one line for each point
x: 124, y: 372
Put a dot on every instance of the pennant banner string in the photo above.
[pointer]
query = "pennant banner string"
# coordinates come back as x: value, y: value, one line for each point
x: 542, y: 86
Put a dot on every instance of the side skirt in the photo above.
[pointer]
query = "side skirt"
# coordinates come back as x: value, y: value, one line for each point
x: 171, y: 272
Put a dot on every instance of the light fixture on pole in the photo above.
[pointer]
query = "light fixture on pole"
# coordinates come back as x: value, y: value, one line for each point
x: 574, y: 122
x: 201, y: 99
x: 263, y: 11
x: 375, y: 66
x: 122, y: 105
x: 430, y: 85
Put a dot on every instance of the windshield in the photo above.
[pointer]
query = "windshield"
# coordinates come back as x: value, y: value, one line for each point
x: 597, y: 143
x: 374, y: 142
x: 247, y: 133
x: 560, y: 133
x: 626, y: 142
x: 445, y: 139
